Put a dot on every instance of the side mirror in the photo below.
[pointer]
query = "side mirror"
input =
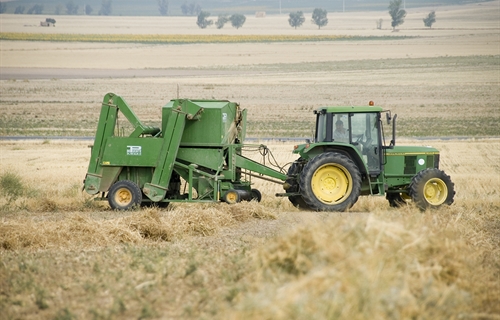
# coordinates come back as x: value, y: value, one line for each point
x: 388, y: 117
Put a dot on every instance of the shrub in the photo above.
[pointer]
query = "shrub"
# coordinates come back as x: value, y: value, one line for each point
x: 11, y: 186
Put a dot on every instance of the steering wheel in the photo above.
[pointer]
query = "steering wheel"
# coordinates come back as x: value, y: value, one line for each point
x: 359, y: 140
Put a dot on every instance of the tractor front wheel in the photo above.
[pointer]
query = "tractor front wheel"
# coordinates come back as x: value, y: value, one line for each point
x: 124, y: 195
x: 431, y: 188
x: 330, y: 182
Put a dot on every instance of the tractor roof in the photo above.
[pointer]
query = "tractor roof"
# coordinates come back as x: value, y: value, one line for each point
x: 347, y: 109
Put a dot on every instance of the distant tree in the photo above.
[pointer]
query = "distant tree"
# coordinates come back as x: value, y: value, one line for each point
x: 88, y: 9
x: 163, y: 7
x: 430, y: 19
x: 319, y: 17
x: 237, y: 20
x: 221, y: 21
x: 296, y: 19
x: 106, y: 8
x: 71, y: 8
x: 3, y: 7
x: 36, y: 9
x: 19, y: 10
x: 397, y: 14
x: 190, y: 9
x: 202, y: 21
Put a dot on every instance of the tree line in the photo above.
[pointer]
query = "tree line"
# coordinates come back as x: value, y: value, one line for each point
x: 296, y: 19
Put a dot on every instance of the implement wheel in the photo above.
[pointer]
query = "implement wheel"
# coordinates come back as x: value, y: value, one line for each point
x: 124, y: 195
x: 256, y: 195
x: 231, y: 197
x: 330, y: 182
x: 431, y: 188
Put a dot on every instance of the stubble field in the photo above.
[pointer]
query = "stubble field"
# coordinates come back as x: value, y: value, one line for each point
x: 64, y: 256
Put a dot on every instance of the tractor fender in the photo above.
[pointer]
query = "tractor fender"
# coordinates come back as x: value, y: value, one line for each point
x: 346, y: 149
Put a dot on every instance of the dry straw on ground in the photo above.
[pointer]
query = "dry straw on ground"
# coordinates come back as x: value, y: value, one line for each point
x: 78, y: 230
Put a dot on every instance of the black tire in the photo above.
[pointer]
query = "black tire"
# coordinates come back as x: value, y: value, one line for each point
x: 124, y: 195
x: 299, y: 203
x: 296, y: 200
x: 397, y: 200
x: 256, y: 195
x: 431, y: 188
x: 231, y: 197
x: 330, y: 182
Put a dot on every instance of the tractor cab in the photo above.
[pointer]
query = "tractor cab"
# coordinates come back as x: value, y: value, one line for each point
x: 352, y: 129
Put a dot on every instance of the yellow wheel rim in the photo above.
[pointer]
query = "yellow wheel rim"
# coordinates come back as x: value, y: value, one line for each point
x: 123, y: 196
x: 435, y: 191
x: 231, y: 197
x: 331, y: 183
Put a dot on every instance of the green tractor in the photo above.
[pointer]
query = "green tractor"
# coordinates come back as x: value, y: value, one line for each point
x: 349, y: 158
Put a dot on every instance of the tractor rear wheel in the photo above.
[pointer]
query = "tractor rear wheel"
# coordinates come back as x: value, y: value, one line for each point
x: 431, y: 188
x: 296, y: 200
x: 124, y: 195
x: 330, y: 182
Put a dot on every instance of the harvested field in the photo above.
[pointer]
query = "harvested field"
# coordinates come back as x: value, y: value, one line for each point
x: 65, y: 256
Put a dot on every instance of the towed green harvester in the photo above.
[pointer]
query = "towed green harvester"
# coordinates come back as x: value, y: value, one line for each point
x: 196, y: 156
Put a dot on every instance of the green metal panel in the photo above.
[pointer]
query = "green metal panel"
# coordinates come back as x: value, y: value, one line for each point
x: 123, y: 151
x: 212, y: 158
x: 217, y: 125
x: 172, y: 135
x: 105, y: 129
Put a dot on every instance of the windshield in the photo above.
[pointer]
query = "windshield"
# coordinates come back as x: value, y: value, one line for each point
x: 361, y: 130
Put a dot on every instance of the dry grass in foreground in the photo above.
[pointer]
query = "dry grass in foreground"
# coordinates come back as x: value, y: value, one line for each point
x: 66, y: 257
x: 388, y: 264
x: 79, y: 230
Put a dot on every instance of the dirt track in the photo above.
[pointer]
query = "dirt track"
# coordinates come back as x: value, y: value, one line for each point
x: 7, y: 73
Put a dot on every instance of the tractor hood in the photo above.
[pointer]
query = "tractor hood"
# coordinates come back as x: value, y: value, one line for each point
x: 408, y: 160
x: 409, y: 150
